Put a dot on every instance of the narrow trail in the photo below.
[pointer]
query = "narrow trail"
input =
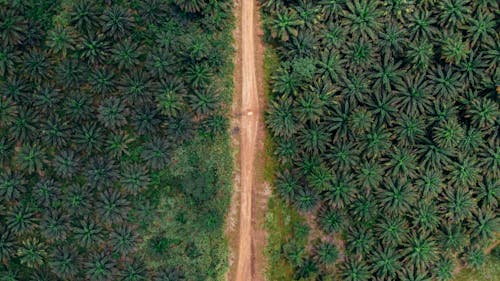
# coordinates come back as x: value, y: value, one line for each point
x: 251, y: 132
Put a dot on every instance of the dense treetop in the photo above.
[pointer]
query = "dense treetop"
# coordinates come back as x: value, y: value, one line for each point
x: 385, y: 120
x: 105, y: 109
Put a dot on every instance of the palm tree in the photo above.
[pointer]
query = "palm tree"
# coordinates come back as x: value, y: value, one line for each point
x: 387, y: 75
x: 483, y: 113
x: 465, y: 171
x: 414, y: 95
x: 36, y: 66
x: 369, y: 173
x: 88, y: 137
x: 355, y: 270
x: 55, y: 132
x: 334, y: 34
x: 360, y: 121
x: 305, y: 269
x: 78, y: 107
x: 87, y: 233
x: 9, y: 58
x: 191, y: 6
x: 484, y: 224
x: 101, y: 172
x: 359, y: 240
x: 84, y: 15
x: 454, y: 49
x: 198, y: 75
x: 330, y: 220
x: 341, y: 192
x: 156, y: 153
x: 430, y: 183
x: 453, y: 12
x: 420, y: 54
x: 305, y: 199
x: 392, y: 230
x: 392, y: 40
x: 376, y: 141
x: 171, y: 94
x: 422, y: 25
x: 409, y: 130
x: 444, y: 269
x: 102, y: 81
x: 77, y: 198
x: 117, y: 145
x: 410, y: 273
x: 396, y: 196
x: 100, y: 266
x: 24, y: 126
x: 112, y: 206
x: 12, y: 185
x: 448, y: 134
x: 473, y: 140
x: 284, y: 23
x: 488, y: 193
x: 363, y: 208
x: 66, y: 164
x: 123, y: 239
x: 94, y: 49
x: 13, y: 27
x: 55, y: 225
x: 32, y: 253
x: 314, y: 138
x: 382, y: 107
x: 126, y: 54
x: 112, y: 113
x: 309, y: 108
x: 152, y: 11
x: 61, y: 40
x: 170, y: 274
x: 386, y: 262
x: 452, y: 237
x: 475, y: 257
x: 7, y: 244
x: 117, y: 21
x: 325, y: 253
x: 360, y: 54
x: 134, y: 178
x: 6, y: 151
x: 402, y: 163
x: 458, y: 203
x: 31, y: 158
x: 15, y: 88
x: 363, y: 18
x: 134, y: 270
x: 46, y: 191
x: 320, y: 178
x: 205, y: 101
x: 425, y: 217
x: 446, y: 82
x: 160, y: 62
x: 64, y: 262
x: 343, y: 155
x: 489, y: 158
x: 420, y: 251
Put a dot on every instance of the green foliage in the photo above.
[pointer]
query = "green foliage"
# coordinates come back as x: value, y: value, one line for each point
x: 389, y: 140
x: 98, y: 100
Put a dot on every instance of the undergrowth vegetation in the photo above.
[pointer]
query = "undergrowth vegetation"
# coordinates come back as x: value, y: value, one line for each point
x: 114, y: 149
x: 384, y: 118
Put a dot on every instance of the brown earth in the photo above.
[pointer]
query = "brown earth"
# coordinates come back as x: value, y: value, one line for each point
x: 245, y: 224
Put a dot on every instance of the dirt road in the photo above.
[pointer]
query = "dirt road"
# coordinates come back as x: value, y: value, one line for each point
x: 249, y: 126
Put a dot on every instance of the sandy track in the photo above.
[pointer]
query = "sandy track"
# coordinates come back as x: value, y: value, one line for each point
x: 249, y: 126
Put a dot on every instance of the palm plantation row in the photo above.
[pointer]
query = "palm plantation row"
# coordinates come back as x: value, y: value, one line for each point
x: 106, y: 108
x: 385, y: 119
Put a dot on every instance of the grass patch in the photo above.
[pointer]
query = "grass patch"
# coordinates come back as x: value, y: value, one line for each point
x: 282, y: 224
x: 490, y: 271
